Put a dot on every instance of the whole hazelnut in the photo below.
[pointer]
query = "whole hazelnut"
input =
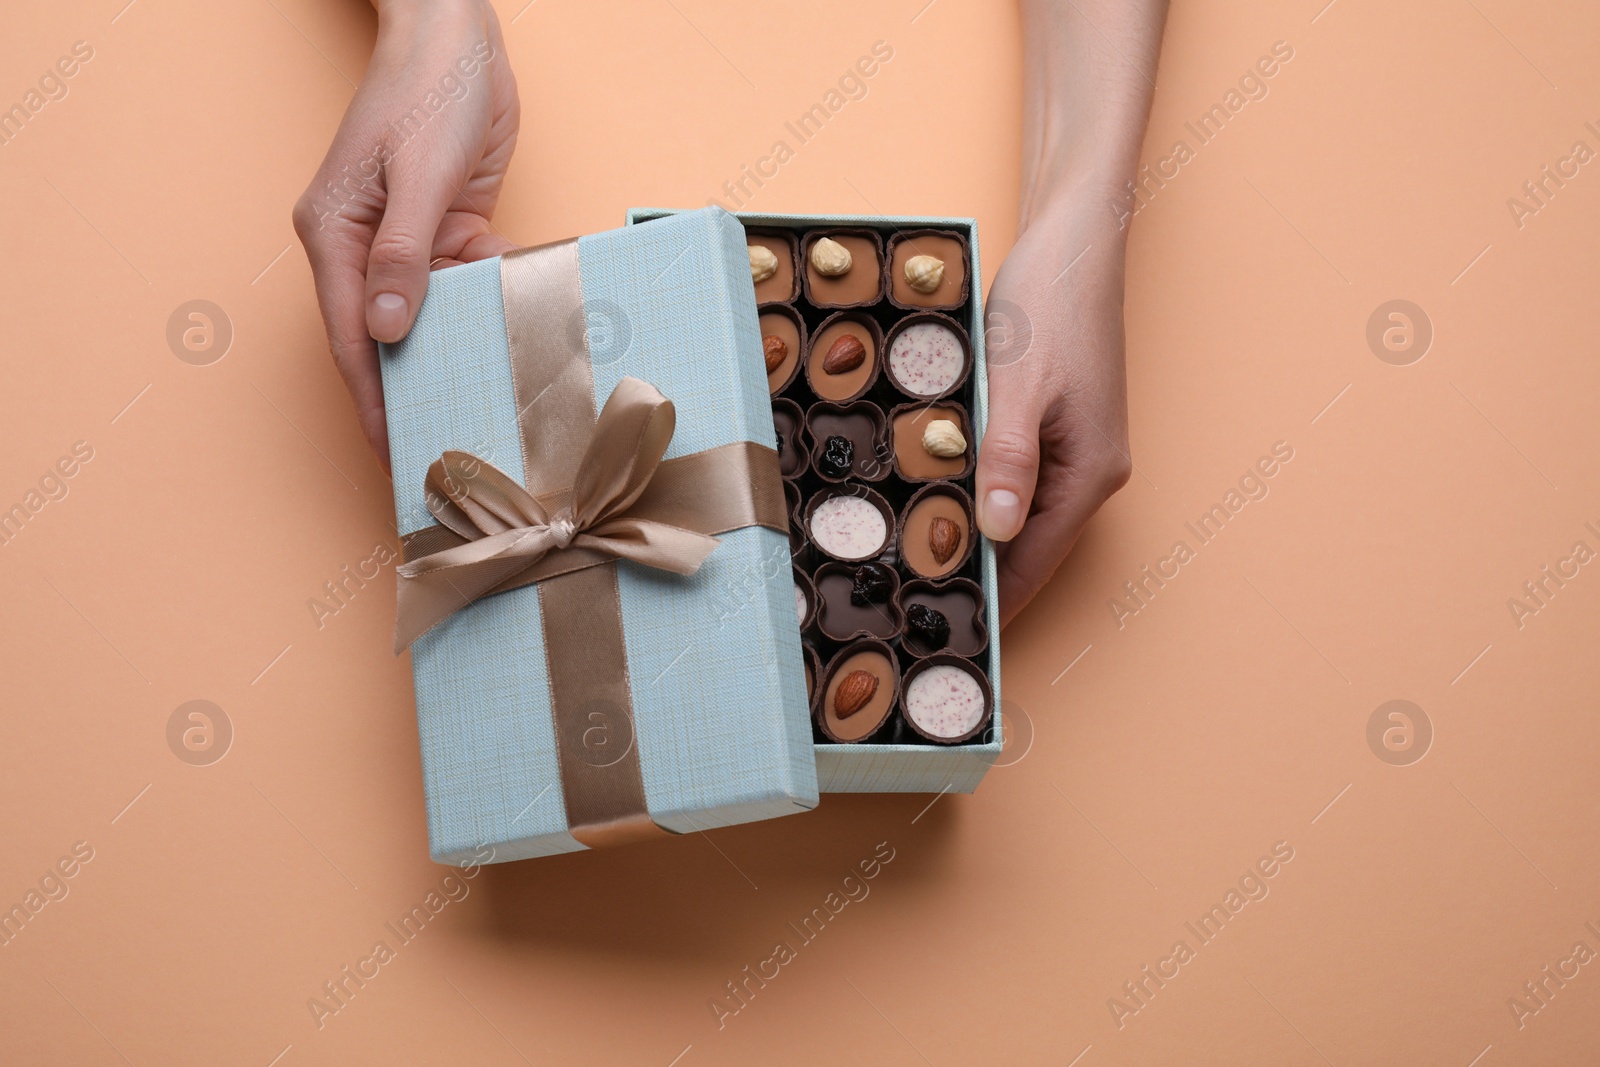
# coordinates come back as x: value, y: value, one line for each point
x: 943, y: 438
x: 763, y: 263
x: 924, y: 273
x: 830, y: 258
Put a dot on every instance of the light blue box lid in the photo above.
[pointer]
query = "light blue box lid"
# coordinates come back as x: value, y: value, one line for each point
x: 721, y: 715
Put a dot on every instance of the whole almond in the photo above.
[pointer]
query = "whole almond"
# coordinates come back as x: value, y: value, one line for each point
x: 844, y: 355
x: 775, y: 351
x: 944, y: 538
x: 854, y: 692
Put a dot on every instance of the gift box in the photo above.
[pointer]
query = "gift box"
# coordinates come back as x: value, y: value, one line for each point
x: 803, y: 305
x: 597, y: 589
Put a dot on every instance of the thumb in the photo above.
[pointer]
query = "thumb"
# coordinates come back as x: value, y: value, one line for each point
x: 397, y: 267
x: 1008, y: 468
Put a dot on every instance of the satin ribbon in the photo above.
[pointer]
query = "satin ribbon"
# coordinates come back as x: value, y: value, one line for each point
x: 507, y: 533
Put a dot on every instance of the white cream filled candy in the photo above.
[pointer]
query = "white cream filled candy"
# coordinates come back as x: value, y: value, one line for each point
x: 926, y: 358
x: 945, y: 701
x: 849, y: 527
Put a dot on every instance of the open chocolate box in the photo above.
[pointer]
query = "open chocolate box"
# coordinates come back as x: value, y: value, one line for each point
x: 873, y: 336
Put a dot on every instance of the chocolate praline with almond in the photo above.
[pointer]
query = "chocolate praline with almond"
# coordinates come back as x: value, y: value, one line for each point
x: 863, y: 667
x: 936, y: 533
x: 845, y: 377
x: 783, y: 323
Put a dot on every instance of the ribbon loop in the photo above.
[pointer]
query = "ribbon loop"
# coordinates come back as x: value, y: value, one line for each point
x: 506, y: 531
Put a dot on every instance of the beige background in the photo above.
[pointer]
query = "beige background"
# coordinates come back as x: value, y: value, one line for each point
x: 1167, y: 755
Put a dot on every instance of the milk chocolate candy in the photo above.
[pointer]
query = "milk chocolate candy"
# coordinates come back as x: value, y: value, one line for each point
x: 927, y: 356
x: 908, y: 424
x: 842, y: 616
x: 793, y: 457
x: 784, y: 284
x: 784, y: 323
x: 946, y: 699
x: 846, y: 385
x: 944, y: 245
x: 863, y: 426
x: 863, y: 667
x: 929, y: 547
x: 959, y: 602
x: 860, y: 286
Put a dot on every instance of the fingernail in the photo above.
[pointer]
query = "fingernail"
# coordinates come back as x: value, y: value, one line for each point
x: 1000, y: 517
x: 387, y: 319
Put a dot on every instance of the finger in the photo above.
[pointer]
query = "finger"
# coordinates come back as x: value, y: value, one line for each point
x: 1008, y: 463
x: 338, y: 255
x: 467, y: 237
x: 1030, y: 560
x: 486, y: 247
x: 397, y: 267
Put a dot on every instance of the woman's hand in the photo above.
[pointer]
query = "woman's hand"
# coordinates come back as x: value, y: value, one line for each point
x: 410, y: 182
x: 1056, y: 445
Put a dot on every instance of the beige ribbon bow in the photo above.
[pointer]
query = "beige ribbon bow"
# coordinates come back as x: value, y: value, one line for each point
x: 513, y: 538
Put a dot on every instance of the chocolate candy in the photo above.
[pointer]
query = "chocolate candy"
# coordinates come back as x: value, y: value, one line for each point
x: 850, y: 523
x: 844, y: 385
x: 912, y: 460
x: 876, y: 661
x: 959, y: 601
x: 927, y: 356
x: 858, y: 286
x: 782, y: 323
x: 947, y: 700
x: 842, y: 615
x: 783, y: 284
x: 936, y: 536
x: 863, y: 425
x: 949, y: 248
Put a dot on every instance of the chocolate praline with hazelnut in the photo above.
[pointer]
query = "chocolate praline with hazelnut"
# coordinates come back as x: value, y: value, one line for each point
x: 948, y: 248
x: 776, y: 278
x: 842, y: 268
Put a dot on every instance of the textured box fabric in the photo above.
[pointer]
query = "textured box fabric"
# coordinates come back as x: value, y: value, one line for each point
x: 720, y: 709
x: 869, y: 768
